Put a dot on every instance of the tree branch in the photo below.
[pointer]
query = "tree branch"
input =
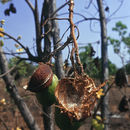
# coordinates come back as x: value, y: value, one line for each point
x: 11, y: 37
x: 30, y: 56
x: 62, y: 6
x: 38, y: 30
x: 116, y: 9
x: 11, y: 69
x: 11, y: 88
x: 69, y: 40
x: 30, y: 5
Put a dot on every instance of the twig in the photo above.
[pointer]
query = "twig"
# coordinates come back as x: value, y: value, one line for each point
x: 31, y: 57
x: 116, y: 9
x: 11, y: 37
x: 62, y: 6
x: 85, y: 18
x: 58, y: 49
x: 121, y: 17
x: 63, y: 35
x: 30, y: 5
x: 10, y: 69
x: 45, y: 22
x: 4, y: 124
x: 14, y: 53
x: 89, y: 4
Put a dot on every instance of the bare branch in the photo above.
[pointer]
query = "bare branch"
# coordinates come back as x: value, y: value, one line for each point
x: 116, y: 9
x: 30, y: 56
x: 11, y: 37
x: 69, y: 40
x: 30, y: 5
x: 81, y: 15
x: 11, y: 69
x: 6, y: 127
x: 121, y: 17
x: 45, y: 22
x: 14, y: 53
x: 62, y: 6
x: 85, y: 18
x: 89, y: 4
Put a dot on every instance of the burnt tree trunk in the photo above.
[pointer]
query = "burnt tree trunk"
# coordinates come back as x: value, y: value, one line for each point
x: 56, y: 38
x: 104, y: 53
x: 47, y: 27
x: 11, y: 88
x: 49, y: 110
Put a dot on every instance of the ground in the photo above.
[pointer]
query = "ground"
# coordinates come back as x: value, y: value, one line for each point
x: 11, y: 119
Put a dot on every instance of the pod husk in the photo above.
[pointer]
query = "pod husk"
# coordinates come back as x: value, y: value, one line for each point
x: 41, y: 78
x: 77, y: 96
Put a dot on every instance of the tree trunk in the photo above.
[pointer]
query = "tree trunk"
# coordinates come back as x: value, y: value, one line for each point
x: 56, y: 38
x: 11, y: 88
x: 47, y: 10
x: 49, y: 123
x: 104, y: 51
x: 47, y: 28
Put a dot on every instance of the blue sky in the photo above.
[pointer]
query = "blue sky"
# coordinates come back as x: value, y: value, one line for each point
x: 22, y: 23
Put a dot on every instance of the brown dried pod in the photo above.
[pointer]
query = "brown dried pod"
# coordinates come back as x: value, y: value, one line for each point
x: 77, y: 96
x: 120, y: 78
x: 41, y: 78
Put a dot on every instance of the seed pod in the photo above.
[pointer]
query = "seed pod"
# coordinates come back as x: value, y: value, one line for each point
x: 47, y: 96
x: 77, y: 96
x: 41, y: 78
x: 120, y: 78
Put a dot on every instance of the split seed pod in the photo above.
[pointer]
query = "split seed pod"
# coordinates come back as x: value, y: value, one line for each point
x: 41, y: 78
x: 77, y: 96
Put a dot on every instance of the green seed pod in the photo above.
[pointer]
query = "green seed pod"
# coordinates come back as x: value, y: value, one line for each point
x: 46, y: 97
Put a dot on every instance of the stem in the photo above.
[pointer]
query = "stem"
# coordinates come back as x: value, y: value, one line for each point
x: 72, y: 33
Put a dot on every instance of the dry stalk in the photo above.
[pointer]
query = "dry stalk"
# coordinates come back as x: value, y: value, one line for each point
x: 72, y: 33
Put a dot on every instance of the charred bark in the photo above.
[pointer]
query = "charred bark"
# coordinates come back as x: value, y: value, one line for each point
x: 56, y: 38
x: 47, y: 27
x: 46, y: 13
x: 104, y: 53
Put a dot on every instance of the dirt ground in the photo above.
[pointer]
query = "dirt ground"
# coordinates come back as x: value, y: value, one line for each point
x: 11, y: 119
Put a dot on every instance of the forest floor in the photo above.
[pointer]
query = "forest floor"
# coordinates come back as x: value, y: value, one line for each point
x: 11, y: 119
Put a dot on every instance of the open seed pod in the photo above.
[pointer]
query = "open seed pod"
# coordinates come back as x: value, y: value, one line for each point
x: 41, y: 78
x: 77, y: 96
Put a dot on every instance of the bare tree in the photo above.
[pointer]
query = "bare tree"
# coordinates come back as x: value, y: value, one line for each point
x: 104, y: 53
